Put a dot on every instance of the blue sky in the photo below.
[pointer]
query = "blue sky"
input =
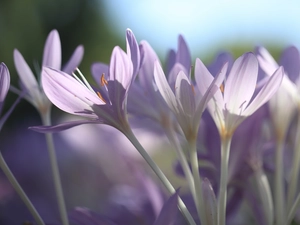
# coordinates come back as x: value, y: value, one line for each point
x: 206, y: 24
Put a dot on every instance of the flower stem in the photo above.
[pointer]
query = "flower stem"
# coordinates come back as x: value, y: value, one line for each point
x: 293, y: 210
x: 55, y: 171
x: 198, y: 184
x: 293, y: 180
x: 222, y: 198
x: 131, y: 137
x: 265, y: 195
x: 279, y: 184
x: 182, y: 159
x: 20, y: 191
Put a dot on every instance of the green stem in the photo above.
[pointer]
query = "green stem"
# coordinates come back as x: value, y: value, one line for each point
x: 198, y: 184
x: 265, y: 195
x: 293, y: 210
x: 279, y: 184
x: 55, y: 171
x: 222, y: 199
x: 131, y: 137
x: 20, y: 191
x: 182, y: 159
x: 293, y: 179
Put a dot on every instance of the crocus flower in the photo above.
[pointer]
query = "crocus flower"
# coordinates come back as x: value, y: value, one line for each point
x: 77, y: 97
x: 51, y: 58
x: 231, y: 107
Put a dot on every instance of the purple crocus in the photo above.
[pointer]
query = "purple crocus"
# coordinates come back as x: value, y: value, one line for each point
x: 231, y: 106
x: 106, y: 106
x: 51, y: 58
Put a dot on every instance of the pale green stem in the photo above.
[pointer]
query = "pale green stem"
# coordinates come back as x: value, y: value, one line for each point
x: 293, y: 210
x: 182, y: 159
x: 55, y: 171
x: 265, y: 195
x: 293, y: 179
x: 131, y: 137
x: 197, y: 179
x: 20, y: 191
x: 279, y: 184
x: 222, y: 198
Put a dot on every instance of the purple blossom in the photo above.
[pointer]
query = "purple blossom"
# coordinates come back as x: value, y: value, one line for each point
x: 231, y: 107
x: 106, y: 106
x: 51, y: 58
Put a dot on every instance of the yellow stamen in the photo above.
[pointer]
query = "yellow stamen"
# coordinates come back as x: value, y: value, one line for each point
x: 103, y: 81
x: 100, y: 96
x: 222, y: 88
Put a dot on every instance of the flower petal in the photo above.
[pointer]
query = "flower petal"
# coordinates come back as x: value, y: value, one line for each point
x: 184, y: 94
x: 147, y: 66
x: 174, y: 73
x: 26, y: 76
x: 266, y: 92
x: 171, y: 60
x: 290, y: 60
x: 68, y: 94
x: 97, y: 70
x: 74, y: 61
x: 62, y: 126
x: 133, y: 51
x: 168, y: 213
x: 4, y: 82
x: 241, y: 83
x: 183, y: 55
x: 164, y: 88
x: 52, y: 51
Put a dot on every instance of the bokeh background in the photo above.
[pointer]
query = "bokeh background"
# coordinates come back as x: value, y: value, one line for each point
x: 208, y: 27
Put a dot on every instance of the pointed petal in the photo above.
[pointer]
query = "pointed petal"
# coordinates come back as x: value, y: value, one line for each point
x: 164, y: 88
x: 133, y: 51
x: 204, y: 80
x: 183, y: 55
x: 266, y: 92
x: 4, y: 81
x: 147, y: 66
x: 174, y: 73
x: 26, y: 76
x: 120, y: 67
x: 168, y: 213
x: 97, y: 70
x: 120, y: 77
x: 68, y: 94
x: 290, y: 60
x: 62, y: 126
x: 171, y: 60
x: 184, y: 94
x: 52, y: 51
x: 241, y: 83
x: 74, y: 61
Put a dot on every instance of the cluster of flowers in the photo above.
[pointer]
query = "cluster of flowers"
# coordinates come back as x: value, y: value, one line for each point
x: 233, y: 152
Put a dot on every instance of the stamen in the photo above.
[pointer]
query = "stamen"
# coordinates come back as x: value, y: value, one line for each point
x: 103, y: 81
x: 100, y: 96
x: 222, y: 88
x: 193, y: 89
x: 84, y: 80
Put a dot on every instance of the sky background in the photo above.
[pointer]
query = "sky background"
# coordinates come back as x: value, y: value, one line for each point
x: 207, y: 25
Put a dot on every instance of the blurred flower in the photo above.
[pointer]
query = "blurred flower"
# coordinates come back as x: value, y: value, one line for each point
x: 51, y: 58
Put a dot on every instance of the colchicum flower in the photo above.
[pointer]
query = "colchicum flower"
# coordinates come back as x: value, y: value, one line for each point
x: 51, y: 58
x: 4, y: 86
x: 106, y: 106
x: 232, y: 102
